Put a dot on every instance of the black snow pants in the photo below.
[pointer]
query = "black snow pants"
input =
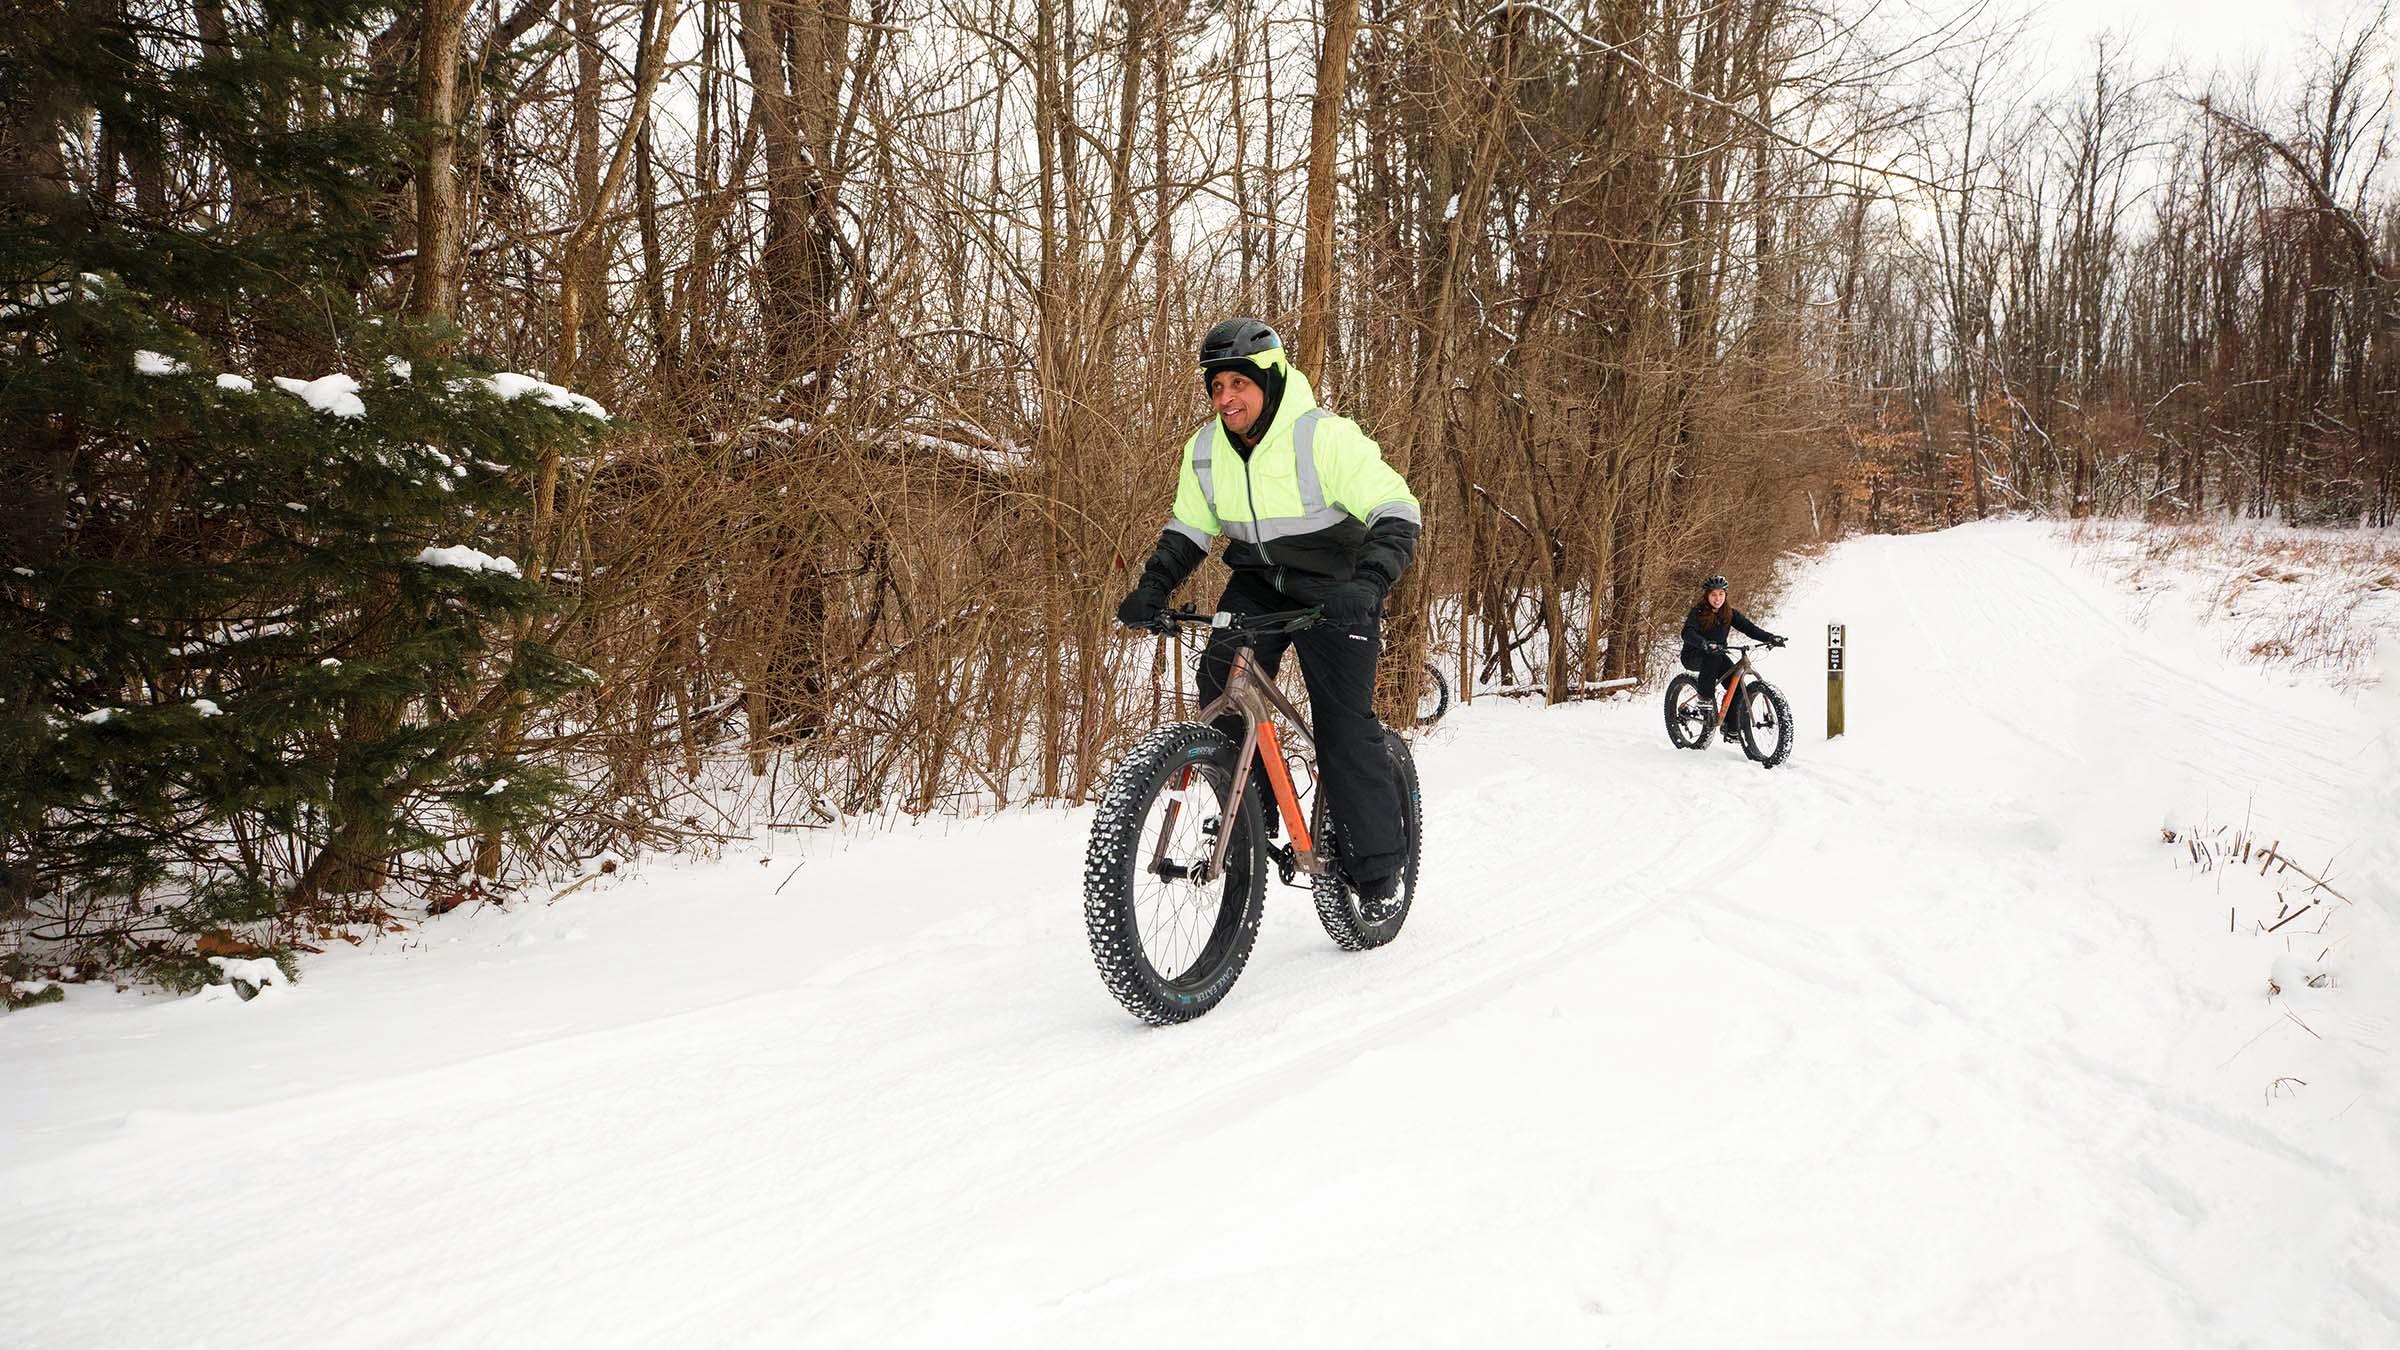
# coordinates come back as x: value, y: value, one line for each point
x: 1361, y: 783
x: 1711, y: 667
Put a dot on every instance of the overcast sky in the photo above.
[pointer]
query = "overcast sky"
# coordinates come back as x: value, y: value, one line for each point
x: 2202, y: 33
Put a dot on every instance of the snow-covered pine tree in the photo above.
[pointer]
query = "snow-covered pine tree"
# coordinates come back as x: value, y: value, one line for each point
x: 257, y: 620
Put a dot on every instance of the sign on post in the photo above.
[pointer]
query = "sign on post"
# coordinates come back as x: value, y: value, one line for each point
x: 1834, y: 646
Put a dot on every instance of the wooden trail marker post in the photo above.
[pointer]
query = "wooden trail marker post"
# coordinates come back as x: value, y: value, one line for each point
x: 1834, y: 646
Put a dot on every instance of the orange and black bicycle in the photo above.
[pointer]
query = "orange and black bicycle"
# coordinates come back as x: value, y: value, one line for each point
x: 1174, y: 879
x: 1751, y: 712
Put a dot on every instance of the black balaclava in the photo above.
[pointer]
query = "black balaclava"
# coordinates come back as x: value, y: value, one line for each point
x: 1269, y: 379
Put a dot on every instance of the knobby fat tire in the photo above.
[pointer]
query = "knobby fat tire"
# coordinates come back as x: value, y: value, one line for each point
x: 1756, y: 691
x: 1441, y: 687
x: 1111, y: 867
x: 1678, y: 731
x: 1337, y: 904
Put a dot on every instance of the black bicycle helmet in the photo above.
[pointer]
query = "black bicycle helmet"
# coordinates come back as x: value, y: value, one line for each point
x: 1716, y: 582
x: 1231, y: 344
x: 1249, y: 348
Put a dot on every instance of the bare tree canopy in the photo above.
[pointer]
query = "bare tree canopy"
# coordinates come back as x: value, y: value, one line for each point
x: 895, y: 303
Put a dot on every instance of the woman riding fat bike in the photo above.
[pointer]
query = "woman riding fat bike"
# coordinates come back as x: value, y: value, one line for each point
x: 1753, y: 714
x: 1706, y: 630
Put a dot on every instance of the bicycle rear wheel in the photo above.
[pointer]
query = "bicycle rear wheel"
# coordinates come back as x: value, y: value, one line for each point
x: 1433, y: 697
x: 1353, y: 924
x: 1689, y: 721
x: 1169, y: 939
x: 1766, y: 721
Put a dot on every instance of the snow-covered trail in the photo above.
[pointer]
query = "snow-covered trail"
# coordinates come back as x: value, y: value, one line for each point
x: 1921, y: 1039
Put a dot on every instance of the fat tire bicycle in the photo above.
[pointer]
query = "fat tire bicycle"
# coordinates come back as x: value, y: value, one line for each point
x: 1751, y: 709
x: 1174, y: 878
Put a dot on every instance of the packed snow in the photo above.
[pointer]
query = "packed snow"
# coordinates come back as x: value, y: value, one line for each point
x: 466, y: 559
x: 1993, y: 1023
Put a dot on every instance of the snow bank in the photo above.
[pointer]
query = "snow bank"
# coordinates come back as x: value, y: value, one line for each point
x: 250, y: 976
x: 2314, y: 602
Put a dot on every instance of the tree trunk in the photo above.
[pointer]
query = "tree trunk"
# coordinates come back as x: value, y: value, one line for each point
x: 1317, y: 340
x: 441, y: 230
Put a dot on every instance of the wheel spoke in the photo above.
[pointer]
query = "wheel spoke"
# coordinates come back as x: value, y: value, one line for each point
x: 1175, y: 916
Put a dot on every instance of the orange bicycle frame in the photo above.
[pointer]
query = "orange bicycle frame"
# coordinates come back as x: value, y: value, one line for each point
x: 1257, y: 701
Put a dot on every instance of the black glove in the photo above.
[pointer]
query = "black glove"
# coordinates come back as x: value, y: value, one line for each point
x: 1170, y: 562
x: 1354, y: 603
x: 1773, y: 641
x: 1141, y: 608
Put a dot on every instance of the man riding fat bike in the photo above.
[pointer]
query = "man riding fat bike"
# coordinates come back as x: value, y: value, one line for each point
x: 1705, y: 631
x: 1316, y: 519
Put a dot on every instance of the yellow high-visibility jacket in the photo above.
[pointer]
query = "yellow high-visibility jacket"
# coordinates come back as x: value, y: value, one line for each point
x: 1301, y: 502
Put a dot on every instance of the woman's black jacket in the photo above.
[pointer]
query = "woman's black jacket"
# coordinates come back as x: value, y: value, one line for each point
x: 1697, y: 637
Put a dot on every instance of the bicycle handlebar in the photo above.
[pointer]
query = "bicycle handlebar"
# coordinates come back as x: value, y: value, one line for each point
x: 1241, y: 625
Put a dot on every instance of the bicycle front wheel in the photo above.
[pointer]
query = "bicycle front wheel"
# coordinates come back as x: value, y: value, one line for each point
x: 1169, y: 937
x: 1766, y: 722
x: 1689, y: 724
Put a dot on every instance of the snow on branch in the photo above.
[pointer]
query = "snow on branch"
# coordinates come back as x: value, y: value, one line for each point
x: 511, y: 386
x: 467, y: 559
x: 335, y: 395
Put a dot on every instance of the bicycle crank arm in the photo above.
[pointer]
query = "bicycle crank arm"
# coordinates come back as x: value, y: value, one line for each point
x: 1285, y: 867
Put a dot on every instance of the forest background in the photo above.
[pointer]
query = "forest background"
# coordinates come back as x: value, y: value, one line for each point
x: 891, y: 307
